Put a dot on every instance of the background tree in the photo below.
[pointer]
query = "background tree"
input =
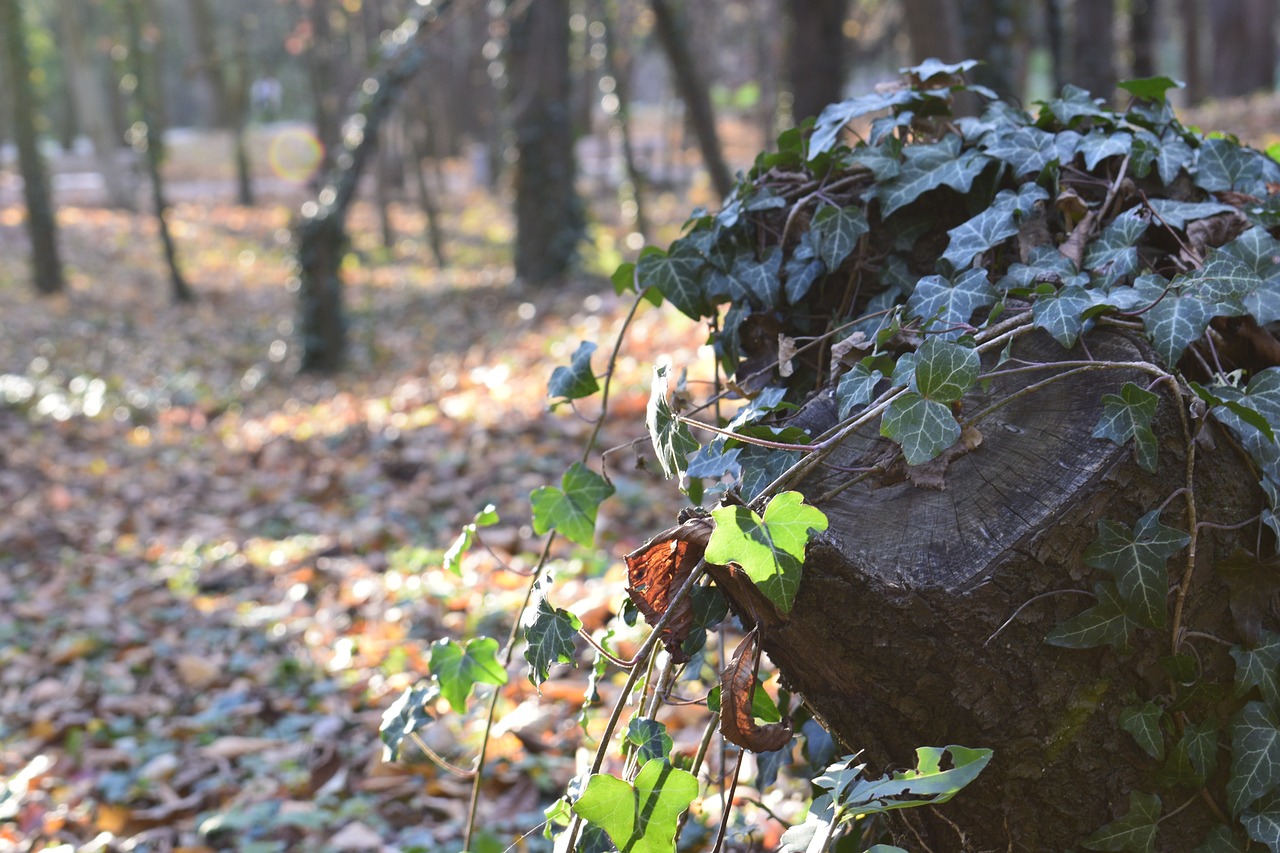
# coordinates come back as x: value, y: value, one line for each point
x: 41, y: 224
x: 1244, y: 32
x: 1093, y: 47
x: 816, y: 54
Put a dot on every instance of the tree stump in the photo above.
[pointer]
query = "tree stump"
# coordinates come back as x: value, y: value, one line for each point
x: 923, y: 610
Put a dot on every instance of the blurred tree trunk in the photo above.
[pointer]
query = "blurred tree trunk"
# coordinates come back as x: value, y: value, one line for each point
x: 92, y: 98
x: 1093, y: 48
x: 324, y: 82
x: 1244, y: 46
x: 146, y: 73
x: 933, y: 27
x: 435, y: 235
x: 1192, y: 60
x: 209, y: 62
x: 238, y: 111
x: 989, y: 31
x: 1054, y: 37
x: 1143, y: 18
x: 548, y: 212
x: 618, y: 64
x: 41, y: 224
x: 816, y: 55
x: 693, y: 90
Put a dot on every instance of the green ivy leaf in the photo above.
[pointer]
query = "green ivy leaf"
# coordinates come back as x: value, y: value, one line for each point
x: 1176, y: 214
x: 945, y: 371
x: 671, y: 439
x: 1173, y: 156
x: 1143, y: 722
x: 639, y: 818
x: 1027, y: 150
x: 406, y: 715
x: 757, y: 282
x: 944, y: 305
x: 1200, y: 740
x: 571, y: 510
x: 676, y: 276
x: 1260, y: 667
x: 1099, y: 145
x: 1151, y: 88
x: 550, y: 635
x: 1075, y: 103
x: 926, y: 784
x: 1255, y: 756
x: 1103, y: 624
x: 1061, y: 315
x: 770, y: 549
x: 458, y: 668
x: 836, y: 231
x: 650, y: 739
x: 1229, y: 398
x: 1220, y: 839
x: 1136, y: 558
x: 1263, y: 822
x: 924, y: 428
x: 856, y: 388
x: 577, y: 380
x: 486, y: 517
x: 1223, y: 280
x: 1113, y: 256
x: 992, y: 226
x: 1222, y: 164
x: 761, y: 466
x: 928, y: 167
x: 1135, y: 832
x: 1260, y: 252
x: 1128, y: 415
x: 832, y: 120
x: 1173, y: 322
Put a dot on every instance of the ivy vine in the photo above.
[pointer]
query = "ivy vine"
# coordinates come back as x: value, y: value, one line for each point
x: 892, y: 268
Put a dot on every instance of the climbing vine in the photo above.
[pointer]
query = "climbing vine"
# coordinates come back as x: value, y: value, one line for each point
x: 888, y: 256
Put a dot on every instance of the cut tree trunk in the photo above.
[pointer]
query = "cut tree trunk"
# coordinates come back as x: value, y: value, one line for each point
x: 923, y: 610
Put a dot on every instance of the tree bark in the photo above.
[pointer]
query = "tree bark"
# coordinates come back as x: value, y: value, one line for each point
x: 210, y: 65
x: 324, y: 83
x: 816, y: 55
x: 693, y: 91
x: 41, y: 224
x: 549, y: 216
x: 922, y: 613
x: 1143, y: 19
x: 1244, y: 46
x: 933, y: 27
x: 1192, y: 59
x: 1093, y: 47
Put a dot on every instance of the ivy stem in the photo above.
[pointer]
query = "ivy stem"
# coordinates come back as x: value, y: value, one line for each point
x: 613, y: 363
x: 1213, y: 525
x: 1192, y: 525
x: 745, y: 439
x: 724, y: 818
x: 708, y: 732
x: 1028, y: 603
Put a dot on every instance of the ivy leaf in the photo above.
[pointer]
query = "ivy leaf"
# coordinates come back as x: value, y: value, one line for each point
x: 837, y: 230
x: 992, y: 226
x: 1176, y: 214
x: 1136, y: 559
x: 1220, y: 839
x: 1103, y: 624
x: 925, y: 168
x: 1223, y: 280
x: 406, y: 715
x: 1200, y: 741
x: 1260, y: 252
x: 883, y: 161
x: 802, y: 269
x: 452, y: 561
x: 676, y: 277
x: 1224, y: 165
x: 1099, y: 145
x: 571, y: 509
x: 1113, y: 256
x: 550, y: 635
x: 1061, y: 315
x: 770, y: 549
x: 1263, y: 823
x: 761, y: 466
x: 1255, y: 756
x: 945, y: 371
x: 650, y: 739
x: 1151, y: 88
x: 458, y: 668
x: 759, y: 282
x: 944, y: 305
x: 1173, y: 156
x: 671, y: 439
x: 1075, y: 103
x: 1260, y: 667
x: 1143, y: 722
x: 577, y: 380
x: 639, y: 818
x: 1027, y: 150
x: 856, y: 388
x: 1135, y: 832
x: 712, y: 462
x: 926, y: 784
x: 834, y: 117
x: 1174, y: 322
x: 924, y: 428
x: 1128, y: 415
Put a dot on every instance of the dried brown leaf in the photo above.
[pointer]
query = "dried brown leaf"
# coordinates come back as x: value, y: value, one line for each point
x: 658, y: 568
x: 737, y: 686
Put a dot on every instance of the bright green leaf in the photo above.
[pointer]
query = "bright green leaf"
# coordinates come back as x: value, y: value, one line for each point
x: 639, y: 818
x: 770, y: 549
x: 486, y: 517
x: 1128, y: 415
x: 458, y: 668
x: 576, y: 380
x: 924, y: 428
x: 1151, y: 88
x: 671, y: 439
x: 571, y: 510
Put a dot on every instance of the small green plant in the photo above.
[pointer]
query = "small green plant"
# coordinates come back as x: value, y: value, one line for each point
x: 896, y: 274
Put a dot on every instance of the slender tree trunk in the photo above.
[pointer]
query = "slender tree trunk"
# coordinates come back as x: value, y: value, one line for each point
x: 146, y: 75
x: 990, y: 30
x: 238, y: 109
x: 1056, y: 41
x: 1143, y: 18
x: 41, y: 224
x: 618, y: 64
x: 1192, y: 59
x: 548, y: 211
x: 693, y: 90
x: 933, y: 27
x: 435, y: 236
x: 205, y: 35
x: 1244, y: 46
x: 324, y: 82
x: 1093, y: 47
x: 816, y: 55
x: 92, y: 99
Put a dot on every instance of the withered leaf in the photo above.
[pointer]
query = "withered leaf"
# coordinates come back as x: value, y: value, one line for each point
x: 737, y: 686
x: 658, y: 568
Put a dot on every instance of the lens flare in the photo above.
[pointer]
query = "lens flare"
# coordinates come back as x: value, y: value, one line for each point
x: 295, y: 154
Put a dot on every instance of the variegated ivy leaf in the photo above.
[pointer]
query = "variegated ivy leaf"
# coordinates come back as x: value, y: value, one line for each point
x: 1128, y: 415
x: 1135, y: 832
x: 1099, y: 145
x: 1143, y: 722
x: 944, y: 370
x: 1136, y: 557
x: 1260, y: 667
x: 836, y: 231
x: 923, y: 428
x: 1174, y: 320
x: 758, y: 282
x: 947, y: 306
x: 1103, y: 624
x: 672, y: 441
x: 550, y: 635
x: 1173, y: 156
x: 1061, y: 315
x: 1260, y: 252
x: 677, y: 276
x: 577, y: 380
x: 1255, y: 756
x: 1224, y: 165
x: 649, y: 738
x: 992, y: 226
x: 1113, y: 256
x: 571, y: 509
x: 833, y: 119
x: 1176, y: 214
x: 1075, y: 103
x: 1027, y: 150
x: 856, y: 388
x: 927, y: 167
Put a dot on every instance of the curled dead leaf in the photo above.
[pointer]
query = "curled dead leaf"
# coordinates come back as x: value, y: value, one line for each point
x: 786, y: 352
x: 658, y: 568
x: 737, y: 686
